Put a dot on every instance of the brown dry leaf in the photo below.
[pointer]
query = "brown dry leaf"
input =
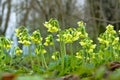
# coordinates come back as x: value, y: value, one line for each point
x: 114, y: 65
x: 8, y: 76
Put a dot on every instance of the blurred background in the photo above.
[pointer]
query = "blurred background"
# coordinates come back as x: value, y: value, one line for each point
x: 33, y: 13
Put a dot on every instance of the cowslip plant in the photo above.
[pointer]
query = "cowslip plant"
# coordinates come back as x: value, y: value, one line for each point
x: 39, y: 50
x: 36, y: 37
x: 52, y: 25
x: 22, y: 34
x: 18, y: 51
x: 88, y: 47
x: 49, y: 40
x: 5, y: 46
x: 39, y: 47
x: 55, y: 55
x: 81, y: 30
x: 85, y: 42
x: 109, y: 42
x: 69, y: 36
x: 24, y: 39
x: 6, y: 43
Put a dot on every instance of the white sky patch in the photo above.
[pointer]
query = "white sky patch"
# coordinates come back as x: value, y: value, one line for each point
x: 80, y: 3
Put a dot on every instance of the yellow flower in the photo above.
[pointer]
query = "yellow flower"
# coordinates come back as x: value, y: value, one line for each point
x: 8, y: 46
x: 26, y: 43
x: 36, y: 40
x: 106, y: 42
x: 115, y: 41
x: 53, y: 57
x: 80, y: 23
x: 49, y: 40
x: 53, y: 29
x: 36, y: 37
x: 20, y: 41
x: 78, y: 55
x: 90, y: 50
x: 46, y: 44
x: 83, y: 43
x: 110, y: 27
x: 93, y: 56
x: 43, y: 51
x: 18, y: 51
x: 68, y: 38
x: 52, y: 25
x: 93, y: 46
x: 37, y: 51
x: 119, y: 31
x: 88, y: 58
x: 40, y: 50
x: 100, y: 40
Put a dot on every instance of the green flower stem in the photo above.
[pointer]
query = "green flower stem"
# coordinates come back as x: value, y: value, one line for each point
x: 44, y: 61
x: 64, y: 49
x: 29, y: 52
x: 85, y: 55
x: 11, y: 61
x: 89, y: 56
x: 111, y: 54
x: 37, y: 56
x: 11, y: 57
x: 38, y: 61
x: 63, y: 53
x: 54, y: 49
x: 71, y: 49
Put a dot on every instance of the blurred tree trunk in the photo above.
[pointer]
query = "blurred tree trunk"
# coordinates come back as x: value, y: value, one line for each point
x: 7, y: 16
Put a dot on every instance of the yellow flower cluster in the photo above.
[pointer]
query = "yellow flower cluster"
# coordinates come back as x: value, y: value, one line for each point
x: 109, y: 37
x: 81, y: 24
x: 55, y: 55
x: 22, y: 34
x: 52, y: 25
x: 78, y: 55
x: 36, y: 37
x: 40, y: 49
x: 88, y: 45
x: 103, y: 41
x: 85, y: 42
x: 6, y: 43
x: 110, y: 29
x: 81, y: 30
x: 18, y: 51
x: 69, y: 35
x: 49, y: 40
